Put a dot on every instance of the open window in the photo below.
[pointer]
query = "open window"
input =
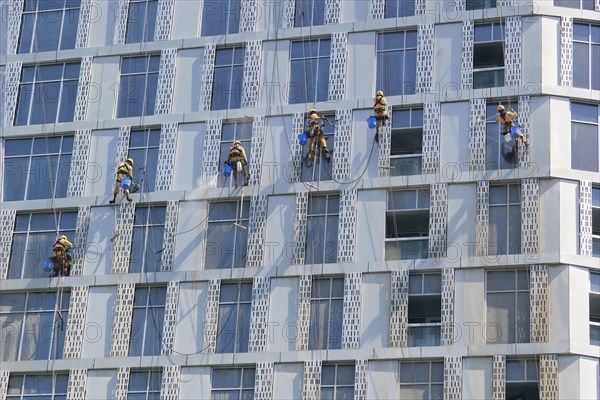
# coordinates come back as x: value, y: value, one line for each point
x: 406, y: 152
x: 522, y: 380
x: 407, y: 225
x: 424, y: 309
x: 488, y: 56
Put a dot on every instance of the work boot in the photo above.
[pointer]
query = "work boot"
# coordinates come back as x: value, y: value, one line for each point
x: 327, y: 155
x: 377, y: 137
x: 113, y: 200
x: 129, y: 199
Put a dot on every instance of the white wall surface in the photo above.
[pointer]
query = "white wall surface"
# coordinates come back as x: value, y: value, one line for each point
x: 375, y: 310
x: 101, y: 168
x: 98, y: 255
x: 191, y: 317
x: 553, y: 116
x: 446, y: 53
x: 361, y: 142
x: 568, y: 197
x: 477, y: 378
x: 105, y: 78
x: 589, y: 375
x: 558, y: 303
x: 102, y: 22
x: 188, y: 156
x: 283, y: 314
x: 370, y: 217
x: 276, y: 163
x: 454, y: 137
x: 99, y: 321
x: 551, y: 224
x: 462, y: 211
x: 360, y: 67
x: 279, y: 237
x: 579, y: 305
x: 188, y: 79
x: 287, y: 381
x: 195, y: 383
x: 469, y: 306
x: 382, y: 380
x: 186, y: 19
x: 101, y: 384
x: 275, y: 73
x: 191, y: 232
x: 537, y: 50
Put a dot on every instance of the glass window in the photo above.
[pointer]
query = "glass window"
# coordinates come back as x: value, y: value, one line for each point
x: 137, y: 87
x: 31, y: 327
x: 309, y: 75
x: 596, y: 221
x: 406, y: 152
x: 595, y: 308
x: 480, y: 4
x: 230, y: 132
x: 147, y: 239
x: 143, y: 148
x: 397, y: 62
x: 586, y: 56
x: 33, y: 239
x: 321, y: 169
x: 227, y: 235
x: 580, y: 4
x: 507, y: 298
x: 309, y: 12
x: 424, y: 309
x: 505, y: 219
x: 522, y: 379
x: 322, y: 229
x: 399, y: 8
x: 337, y: 382
x: 39, y: 386
x: 37, y: 168
x: 488, y: 56
x: 220, y: 17
x: 584, y: 137
x: 147, y: 321
x: 232, y: 383
x: 47, y: 94
x: 228, y: 78
x: 235, y: 303
x: 422, y: 380
x: 141, y: 21
x: 144, y: 385
x: 326, y: 313
x: 49, y: 25
x: 499, y: 152
x: 407, y: 225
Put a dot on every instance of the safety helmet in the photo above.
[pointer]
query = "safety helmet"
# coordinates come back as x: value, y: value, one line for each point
x: 500, y: 107
x: 380, y: 93
x: 129, y: 161
x: 62, y: 237
x: 237, y: 142
x: 312, y: 111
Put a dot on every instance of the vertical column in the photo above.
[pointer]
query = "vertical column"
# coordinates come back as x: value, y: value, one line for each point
x: 15, y: 11
x: 210, y: 152
x: 530, y: 205
x: 303, y: 321
x: 425, y: 44
x: 7, y: 227
x: 257, y: 146
x: 122, y: 240
x: 360, y: 379
x: 289, y: 8
x: 351, y: 311
x: 438, y: 220
x: 121, y: 21
x: 453, y: 378
x: 77, y: 384
x: 337, y: 66
x: 548, y: 377
x: 83, y: 26
x: 81, y: 232
x: 385, y: 144
x: 171, y: 376
x: 166, y: 81
x: 566, y: 51
x: 477, y: 134
x: 170, y: 318
x: 524, y: 120
x: 164, y: 20
x: 343, y: 139
x: 208, y: 71
x: 83, y: 89
x: 431, y: 137
x: 122, y: 383
x: 483, y: 217
x: 333, y: 10
x: 121, y: 329
x: 512, y: 50
x: 4, y: 376
x: 166, y: 156
x: 311, y: 387
x: 11, y: 90
x: 122, y: 145
x: 376, y: 9
x: 168, y: 250
x: 294, y: 173
x: 585, y: 218
x: 538, y: 307
x: 212, y: 316
x: 248, y: 15
x: 263, y: 381
x: 399, y: 309
x: 347, y: 226
x: 76, y: 322
x: 468, y: 40
x: 256, y: 230
x: 300, y: 228
x: 447, y: 329
x: 259, y: 314
x: 499, y: 378
x: 79, y: 161
x: 251, y: 81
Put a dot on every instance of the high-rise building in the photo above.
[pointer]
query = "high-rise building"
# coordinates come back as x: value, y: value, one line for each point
x: 444, y: 261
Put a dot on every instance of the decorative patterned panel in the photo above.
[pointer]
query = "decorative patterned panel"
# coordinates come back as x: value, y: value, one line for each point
x: 249, y: 13
x: 453, y: 378
x: 337, y: 66
x: 212, y: 316
x: 431, y: 137
x: 263, y: 381
x: 122, y: 240
x: 76, y: 322
x: 7, y: 227
x: 499, y: 378
x: 4, y: 376
x: 256, y: 158
x: 504, y: 3
x: 425, y: 44
x: 447, y: 329
x: 566, y: 51
x: 438, y: 220
x: 293, y: 173
x: 538, y: 298
x: 347, y: 226
x: 208, y: 71
x: 361, y: 368
x: 585, y: 218
x: 122, y: 9
x: 79, y: 245
x: 376, y: 9
x: 83, y: 26
x: 11, y: 89
x: 122, y: 145
x: 166, y: 157
x: 171, y: 377
x: 343, y: 139
x: 77, y: 384
x: 524, y: 121
x: 164, y: 20
x: 170, y: 319
x: 477, y: 134
x: 512, y: 50
x: 303, y: 322
x: 385, y: 143
x: 256, y: 230
x: 121, y: 328
x: 300, y: 227
x: 597, y: 5
x: 259, y: 314
x: 83, y: 89
x: 530, y: 205
x: 251, y: 84
x: 351, y: 317
x: 332, y: 11
x: 548, y: 377
x: 483, y: 217
x: 15, y: 10
x: 122, y: 383
x: 211, y: 150
x: 460, y: 5
x: 168, y: 250
x: 468, y: 40
x: 289, y: 7
x: 311, y: 387
x: 79, y: 163
x: 399, y: 309
x: 166, y: 81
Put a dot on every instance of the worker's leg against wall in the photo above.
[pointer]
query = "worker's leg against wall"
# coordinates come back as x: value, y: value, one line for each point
x: 117, y: 186
x: 322, y: 142
x: 235, y: 176
x: 311, y: 143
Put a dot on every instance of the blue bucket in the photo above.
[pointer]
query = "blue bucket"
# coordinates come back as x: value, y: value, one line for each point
x: 125, y: 183
x: 47, y: 265
x: 372, y: 122
x: 227, y: 170
x: 302, y: 138
x: 515, y: 132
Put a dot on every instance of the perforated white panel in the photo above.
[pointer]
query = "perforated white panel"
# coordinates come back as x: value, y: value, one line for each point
x: 300, y: 227
x: 122, y: 145
x: 76, y: 322
x: 15, y: 10
x: 399, y: 309
x: 210, y: 152
x: 453, y: 378
x: 122, y: 383
x: 483, y: 217
x: 259, y: 314
x: 477, y: 134
x: 566, y: 51
x: 447, y: 329
x: 332, y: 11
x: 249, y: 13
x: 122, y: 240
x: 303, y: 322
x: 385, y: 143
x: 166, y: 157
x: 361, y: 368
x: 425, y: 45
x: 376, y: 9
x: 524, y: 120
x: 212, y: 316
x: 288, y: 13
x: 83, y: 89
x: 251, y: 85
x: 79, y: 161
x: 512, y: 49
x: 504, y: 3
x: 263, y: 381
x: 4, y: 375
x: 11, y: 89
x: 311, y: 388
x: 256, y: 158
x: 122, y: 9
x: 530, y: 205
x: 168, y: 250
x: 351, y: 318
x: 337, y: 66
x: 431, y: 137
x: 208, y: 71
x: 294, y: 170
x: 121, y: 328
x: 7, y: 226
x: 166, y: 81
x: 549, y: 377
x: 256, y: 230
x: 597, y: 5
x: 343, y: 140
x: 538, y: 298
x: 83, y: 26
x: 585, y: 218
x: 347, y: 226
x: 438, y: 220
x: 170, y: 319
x: 77, y: 384
x: 171, y: 377
x: 164, y: 20
x: 468, y: 39
x: 499, y: 378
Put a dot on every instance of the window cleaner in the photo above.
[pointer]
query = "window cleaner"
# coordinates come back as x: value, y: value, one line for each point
x: 237, y: 160
x: 511, y: 130
x: 315, y: 130
x: 61, y: 259
x: 124, y: 180
x: 379, y: 103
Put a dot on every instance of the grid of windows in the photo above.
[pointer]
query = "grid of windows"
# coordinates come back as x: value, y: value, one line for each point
x: 407, y: 225
x: 228, y: 78
x: 137, y: 87
x: 309, y: 12
x: 147, y: 240
x: 337, y: 382
x: 424, y: 309
x: 406, y: 152
x: 326, y: 313
x: 221, y: 17
x: 507, y: 298
x: 141, y: 21
x: 33, y: 239
x: 230, y: 132
x: 47, y: 93
x: 498, y: 151
x: 480, y: 4
x: 144, y: 385
x: 30, y: 387
x: 32, y: 329
x: 488, y: 56
x: 505, y: 219
x: 227, y: 235
x: 595, y: 308
x: 422, y: 380
x: 584, y: 137
x: 596, y: 221
x: 522, y: 379
x: 322, y: 229
x: 147, y: 322
x: 232, y: 383
x: 580, y: 4
x: 235, y: 303
x: 309, y: 75
x: 143, y: 148
x: 399, y: 8
x: 49, y: 25
x: 397, y: 62
x: 37, y: 168
x: 586, y: 56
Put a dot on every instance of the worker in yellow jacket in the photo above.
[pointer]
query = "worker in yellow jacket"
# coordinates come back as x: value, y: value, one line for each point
x: 379, y: 103
x: 315, y: 131
x: 124, y: 170
x: 61, y: 260
x: 237, y: 159
x: 507, y: 119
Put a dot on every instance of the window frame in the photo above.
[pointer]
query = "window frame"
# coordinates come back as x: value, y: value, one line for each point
x: 594, y: 314
x: 155, y: 217
x: 240, y: 130
x: 124, y: 97
x: 232, y: 19
x: 430, y: 383
x: 498, y: 152
x: 432, y: 328
x: 147, y: 34
x: 151, y: 147
x: 526, y: 370
x: 151, y: 393
x: 239, y: 233
x: 240, y: 388
x: 400, y: 10
x: 142, y: 333
x: 408, y: 54
x: 231, y: 95
x: 593, y: 75
x: 399, y: 162
x: 512, y: 233
x: 595, y: 221
x: 321, y: 337
x: 499, y: 81
x: 302, y: 95
x: 324, y: 256
x: 335, y: 386
x: 575, y: 120
x: 581, y: 4
x: 421, y: 241
x: 242, y: 308
x: 321, y: 170
x: 57, y: 382
x: 480, y: 4
x: 315, y: 13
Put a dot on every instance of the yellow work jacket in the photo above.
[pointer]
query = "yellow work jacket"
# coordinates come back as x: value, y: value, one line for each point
x: 379, y: 103
x: 236, y: 153
x: 125, y: 169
